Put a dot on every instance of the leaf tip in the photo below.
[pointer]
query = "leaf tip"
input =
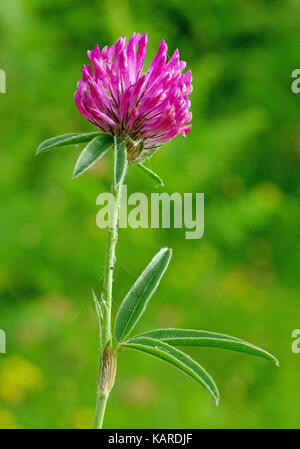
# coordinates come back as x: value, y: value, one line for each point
x: 76, y: 173
x: 274, y: 359
x: 216, y: 394
x: 165, y: 252
x: 169, y: 251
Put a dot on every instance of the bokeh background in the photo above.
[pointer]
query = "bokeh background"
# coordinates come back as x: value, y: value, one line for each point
x: 241, y: 278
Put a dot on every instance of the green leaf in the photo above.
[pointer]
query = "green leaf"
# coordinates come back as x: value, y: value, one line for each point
x: 205, y: 339
x: 176, y: 358
x: 94, y: 150
x: 121, y: 163
x: 65, y: 139
x: 136, y: 300
x: 151, y: 174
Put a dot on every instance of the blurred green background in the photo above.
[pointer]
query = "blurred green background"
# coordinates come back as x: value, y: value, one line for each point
x: 241, y: 278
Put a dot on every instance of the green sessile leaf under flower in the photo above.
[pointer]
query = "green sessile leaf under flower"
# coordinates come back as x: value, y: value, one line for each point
x: 94, y: 150
x: 64, y: 140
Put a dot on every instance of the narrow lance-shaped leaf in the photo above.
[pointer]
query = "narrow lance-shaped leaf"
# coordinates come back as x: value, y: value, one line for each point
x: 174, y: 357
x: 64, y: 140
x: 152, y: 175
x: 136, y: 300
x: 94, y: 150
x: 205, y: 339
x: 120, y: 165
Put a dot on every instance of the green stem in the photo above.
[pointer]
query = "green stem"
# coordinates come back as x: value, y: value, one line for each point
x: 107, y: 366
x: 112, y: 238
x: 100, y: 410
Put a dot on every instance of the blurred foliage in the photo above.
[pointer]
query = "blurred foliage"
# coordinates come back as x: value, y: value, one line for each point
x: 240, y: 278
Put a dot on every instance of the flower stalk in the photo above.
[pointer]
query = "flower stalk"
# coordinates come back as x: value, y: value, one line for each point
x: 107, y: 368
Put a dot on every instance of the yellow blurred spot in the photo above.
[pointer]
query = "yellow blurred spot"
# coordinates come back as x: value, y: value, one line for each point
x: 168, y: 316
x: 7, y: 420
x: 240, y: 285
x: 118, y: 16
x: 11, y: 393
x: 17, y: 377
x: 58, y: 306
x: 84, y: 418
x: 267, y: 195
x: 140, y: 391
x: 236, y: 283
x: 235, y: 389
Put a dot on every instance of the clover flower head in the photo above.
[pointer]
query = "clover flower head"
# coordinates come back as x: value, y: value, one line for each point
x: 149, y: 108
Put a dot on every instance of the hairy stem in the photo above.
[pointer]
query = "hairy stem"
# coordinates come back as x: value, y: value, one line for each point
x: 100, y: 410
x: 107, y: 369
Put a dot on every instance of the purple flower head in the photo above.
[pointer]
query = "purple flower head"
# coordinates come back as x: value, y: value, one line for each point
x: 149, y: 108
